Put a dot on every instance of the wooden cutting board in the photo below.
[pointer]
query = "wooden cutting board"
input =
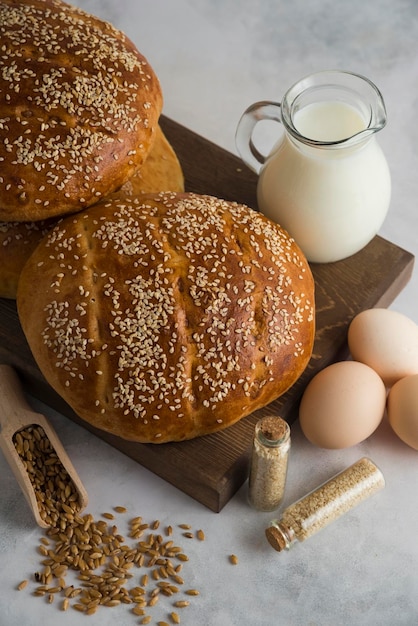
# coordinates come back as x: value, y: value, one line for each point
x: 212, y: 468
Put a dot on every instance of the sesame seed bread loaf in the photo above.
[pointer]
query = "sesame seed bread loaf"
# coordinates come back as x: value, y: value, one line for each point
x: 169, y: 316
x: 78, y: 109
x: 160, y: 172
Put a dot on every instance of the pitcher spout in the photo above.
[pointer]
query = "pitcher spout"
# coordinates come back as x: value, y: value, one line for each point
x: 378, y: 111
x: 372, y: 103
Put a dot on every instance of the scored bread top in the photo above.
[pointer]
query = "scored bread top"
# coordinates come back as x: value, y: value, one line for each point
x: 168, y: 316
x: 78, y: 109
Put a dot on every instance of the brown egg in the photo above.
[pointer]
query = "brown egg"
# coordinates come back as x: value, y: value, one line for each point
x: 387, y: 341
x: 342, y: 405
x: 403, y: 410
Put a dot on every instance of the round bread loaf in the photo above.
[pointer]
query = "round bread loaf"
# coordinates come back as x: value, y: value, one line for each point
x: 78, y: 109
x: 161, y: 172
x: 169, y: 316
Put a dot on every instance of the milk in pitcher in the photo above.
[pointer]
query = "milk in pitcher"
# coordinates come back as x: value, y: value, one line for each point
x: 332, y: 201
x: 326, y: 181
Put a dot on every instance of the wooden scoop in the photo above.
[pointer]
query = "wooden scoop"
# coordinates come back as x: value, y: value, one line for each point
x: 16, y: 415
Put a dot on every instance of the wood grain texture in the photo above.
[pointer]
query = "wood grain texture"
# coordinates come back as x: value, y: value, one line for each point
x: 212, y: 468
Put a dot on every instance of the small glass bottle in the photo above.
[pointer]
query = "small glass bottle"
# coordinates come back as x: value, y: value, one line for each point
x: 269, y: 458
x: 325, y: 504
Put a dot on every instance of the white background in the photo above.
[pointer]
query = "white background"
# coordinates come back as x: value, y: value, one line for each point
x: 214, y: 58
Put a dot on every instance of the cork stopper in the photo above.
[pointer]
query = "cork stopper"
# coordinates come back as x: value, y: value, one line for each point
x: 280, y: 536
x: 272, y: 430
x: 276, y: 538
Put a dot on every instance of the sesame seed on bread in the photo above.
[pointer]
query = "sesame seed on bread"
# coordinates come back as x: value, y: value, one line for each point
x: 79, y: 106
x: 161, y: 172
x: 168, y: 316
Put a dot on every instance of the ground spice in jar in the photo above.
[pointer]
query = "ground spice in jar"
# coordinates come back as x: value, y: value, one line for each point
x: 269, y: 459
x: 325, y: 504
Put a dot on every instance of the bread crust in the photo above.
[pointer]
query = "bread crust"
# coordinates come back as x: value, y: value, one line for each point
x: 160, y: 172
x: 169, y: 316
x: 79, y: 106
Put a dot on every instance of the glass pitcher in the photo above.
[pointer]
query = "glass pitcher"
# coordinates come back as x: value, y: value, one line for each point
x: 326, y: 181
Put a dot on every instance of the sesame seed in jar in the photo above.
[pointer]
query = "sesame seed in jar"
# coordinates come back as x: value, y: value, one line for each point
x: 268, y: 469
x: 325, y: 504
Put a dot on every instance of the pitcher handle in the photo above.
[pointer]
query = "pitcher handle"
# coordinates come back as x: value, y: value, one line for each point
x: 263, y: 110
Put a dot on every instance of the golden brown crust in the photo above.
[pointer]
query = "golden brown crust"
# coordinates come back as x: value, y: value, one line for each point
x: 17, y: 242
x: 168, y: 317
x: 160, y: 172
x: 79, y: 106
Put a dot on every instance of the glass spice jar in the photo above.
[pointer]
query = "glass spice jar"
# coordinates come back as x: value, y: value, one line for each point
x: 325, y: 504
x: 269, y: 459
